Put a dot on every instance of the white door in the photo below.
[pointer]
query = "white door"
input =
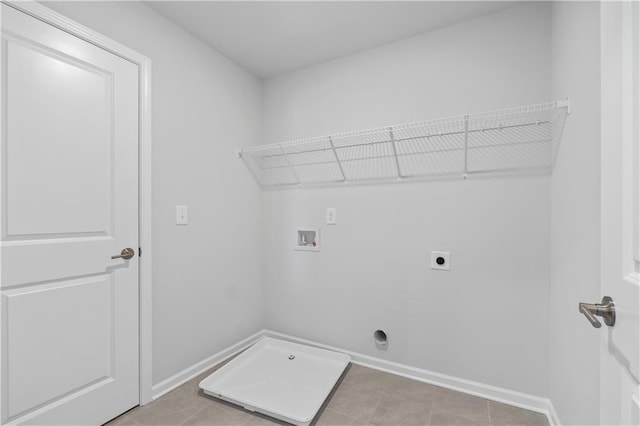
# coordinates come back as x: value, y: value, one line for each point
x: 620, y: 348
x: 69, y: 201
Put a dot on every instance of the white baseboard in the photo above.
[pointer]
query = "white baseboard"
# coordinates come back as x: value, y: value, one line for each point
x: 493, y: 393
x: 554, y: 420
x: 189, y: 373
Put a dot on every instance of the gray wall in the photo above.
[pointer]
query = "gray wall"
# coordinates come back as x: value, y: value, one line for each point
x: 372, y: 271
x: 373, y: 268
x: 575, y: 214
x: 207, y: 284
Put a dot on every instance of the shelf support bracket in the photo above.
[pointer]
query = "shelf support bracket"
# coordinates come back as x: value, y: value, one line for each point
x: 395, y: 152
x: 565, y: 103
x: 251, y: 169
x: 335, y: 154
x: 293, y: 171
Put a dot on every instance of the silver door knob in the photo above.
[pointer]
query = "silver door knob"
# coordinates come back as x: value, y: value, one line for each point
x: 606, y: 310
x: 127, y: 253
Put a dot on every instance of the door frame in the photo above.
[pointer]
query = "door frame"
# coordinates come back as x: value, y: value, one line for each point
x: 43, y: 13
x: 619, y: 392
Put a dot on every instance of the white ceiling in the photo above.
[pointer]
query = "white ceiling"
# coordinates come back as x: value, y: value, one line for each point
x: 274, y: 37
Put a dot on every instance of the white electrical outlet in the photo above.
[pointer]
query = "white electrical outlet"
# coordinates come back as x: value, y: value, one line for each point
x: 331, y: 216
x: 441, y: 260
x: 182, y: 215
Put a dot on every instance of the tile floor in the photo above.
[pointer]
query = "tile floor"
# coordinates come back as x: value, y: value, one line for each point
x: 363, y: 397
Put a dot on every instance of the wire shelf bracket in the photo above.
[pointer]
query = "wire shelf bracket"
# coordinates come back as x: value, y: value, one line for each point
x: 507, y: 141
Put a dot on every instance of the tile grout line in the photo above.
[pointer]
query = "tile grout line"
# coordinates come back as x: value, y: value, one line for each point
x: 342, y: 414
x: 431, y: 404
x: 430, y: 413
x: 375, y: 407
x: 365, y: 420
x: 447, y: 411
x: 193, y: 415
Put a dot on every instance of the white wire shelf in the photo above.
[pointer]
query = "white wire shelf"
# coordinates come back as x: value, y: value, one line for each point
x: 506, y: 141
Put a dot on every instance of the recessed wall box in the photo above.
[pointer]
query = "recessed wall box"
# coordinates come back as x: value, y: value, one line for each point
x: 307, y: 239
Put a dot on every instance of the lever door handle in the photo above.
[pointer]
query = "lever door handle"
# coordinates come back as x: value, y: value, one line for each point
x: 606, y: 310
x: 127, y: 253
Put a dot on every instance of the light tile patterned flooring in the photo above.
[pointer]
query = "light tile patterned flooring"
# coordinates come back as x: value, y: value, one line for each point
x: 363, y: 397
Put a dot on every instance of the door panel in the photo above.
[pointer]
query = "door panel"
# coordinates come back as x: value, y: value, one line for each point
x: 69, y: 100
x: 68, y: 202
x: 45, y: 337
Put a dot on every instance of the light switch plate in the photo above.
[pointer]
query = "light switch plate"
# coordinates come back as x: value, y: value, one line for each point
x: 331, y: 216
x: 182, y: 215
x: 441, y: 260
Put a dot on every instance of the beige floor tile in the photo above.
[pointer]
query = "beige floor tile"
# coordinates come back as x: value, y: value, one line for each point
x: 506, y: 415
x: 354, y: 401
x: 333, y: 418
x: 394, y: 411
x: 413, y: 390
x: 364, y: 395
x: 171, y: 409
x: 441, y: 418
x: 367, y: 377
x: 463, y: 405
x: 218, y: 414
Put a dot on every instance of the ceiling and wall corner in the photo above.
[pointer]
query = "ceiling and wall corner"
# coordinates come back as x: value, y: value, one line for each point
x: 274, y: 38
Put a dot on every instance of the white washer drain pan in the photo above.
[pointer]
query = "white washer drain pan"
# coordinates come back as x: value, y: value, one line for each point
x: 281, y: 379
